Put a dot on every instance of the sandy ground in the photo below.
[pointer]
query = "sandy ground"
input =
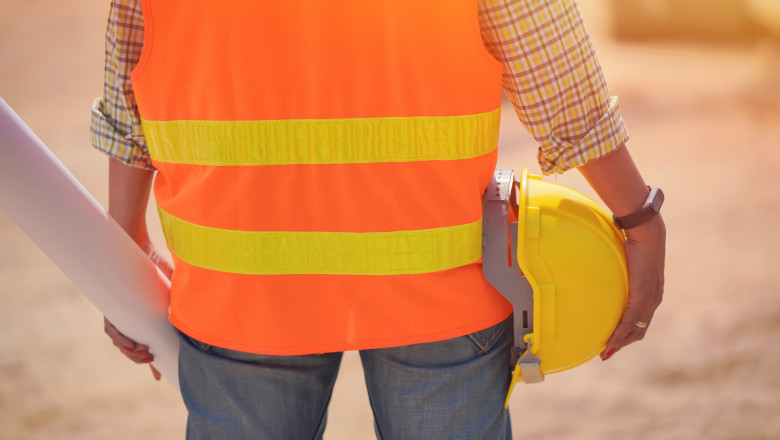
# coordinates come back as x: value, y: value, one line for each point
x: 705, y: 126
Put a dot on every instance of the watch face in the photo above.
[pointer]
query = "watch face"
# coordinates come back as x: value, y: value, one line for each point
x: 658, y: 200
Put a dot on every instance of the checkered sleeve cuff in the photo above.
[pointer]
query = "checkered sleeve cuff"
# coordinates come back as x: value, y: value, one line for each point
x: 556, y: 155
x: 553, y: 79
x: 106, y: 138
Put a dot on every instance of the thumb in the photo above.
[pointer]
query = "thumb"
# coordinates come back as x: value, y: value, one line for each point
x: 155, y: 373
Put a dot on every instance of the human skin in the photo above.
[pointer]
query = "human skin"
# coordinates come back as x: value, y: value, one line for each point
x: 614, y: 177
x: 128, y: 196
x: 617, y: 181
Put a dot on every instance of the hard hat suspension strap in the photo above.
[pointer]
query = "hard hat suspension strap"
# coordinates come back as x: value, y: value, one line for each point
x: 499, y: 244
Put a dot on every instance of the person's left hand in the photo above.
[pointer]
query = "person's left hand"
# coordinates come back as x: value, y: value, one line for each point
x: 137, y: 352
x: 134, y: 351
x: 645, y: 252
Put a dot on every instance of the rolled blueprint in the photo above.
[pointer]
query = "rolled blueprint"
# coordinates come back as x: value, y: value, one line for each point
x: 43, y: 198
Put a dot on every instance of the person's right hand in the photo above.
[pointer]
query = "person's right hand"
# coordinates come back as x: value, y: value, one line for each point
x: 139, y: 353
x: 645, y: 254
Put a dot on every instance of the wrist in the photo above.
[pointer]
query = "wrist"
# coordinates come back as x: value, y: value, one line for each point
x: 646, y: 212
x: 135, y: 229
x: 144, y: 242
x: 652, y: 229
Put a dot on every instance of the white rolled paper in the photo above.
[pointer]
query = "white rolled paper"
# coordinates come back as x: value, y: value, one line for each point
x: 43, y: 198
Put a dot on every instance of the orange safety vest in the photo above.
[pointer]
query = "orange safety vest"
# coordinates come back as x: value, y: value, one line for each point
x: 320, y: 169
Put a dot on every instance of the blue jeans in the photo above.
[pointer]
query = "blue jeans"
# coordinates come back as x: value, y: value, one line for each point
x: 451, y: 389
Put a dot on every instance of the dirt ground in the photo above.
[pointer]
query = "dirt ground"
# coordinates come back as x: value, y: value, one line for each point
x: 705, y: 126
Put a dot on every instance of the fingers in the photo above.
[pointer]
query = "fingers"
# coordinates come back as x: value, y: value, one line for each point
x: 120, y: 340
x: 138, y: 353
x: 159, y: 260
x: 155, y: 373
x: 626, y: 332
x: 645, y: 264
x: 622, y: 337
x: 165, y: 266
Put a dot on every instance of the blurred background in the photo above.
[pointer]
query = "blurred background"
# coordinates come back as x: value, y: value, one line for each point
x: 699, y: 88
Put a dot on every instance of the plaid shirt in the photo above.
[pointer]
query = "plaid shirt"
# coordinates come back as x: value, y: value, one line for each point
x: 551, y: 76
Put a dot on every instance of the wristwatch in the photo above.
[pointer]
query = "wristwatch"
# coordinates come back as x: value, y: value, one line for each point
x: 651, y: 207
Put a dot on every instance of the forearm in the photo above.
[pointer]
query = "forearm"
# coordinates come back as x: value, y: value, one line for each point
x: 128, y: 195
x: 116, y: 125
x: 617, y: 181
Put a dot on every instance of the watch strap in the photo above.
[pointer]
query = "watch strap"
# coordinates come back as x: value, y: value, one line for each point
x: 649, y: 209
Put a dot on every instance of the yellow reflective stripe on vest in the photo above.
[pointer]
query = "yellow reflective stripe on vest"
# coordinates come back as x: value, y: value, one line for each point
x: 336, y: 253
x: 323, y: 141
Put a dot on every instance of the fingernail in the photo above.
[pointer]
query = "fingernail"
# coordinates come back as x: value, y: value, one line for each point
x: 609, y: 354
x: 128, y: 348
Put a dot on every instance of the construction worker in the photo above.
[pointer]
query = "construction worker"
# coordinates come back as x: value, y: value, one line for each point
x: 320, y: 166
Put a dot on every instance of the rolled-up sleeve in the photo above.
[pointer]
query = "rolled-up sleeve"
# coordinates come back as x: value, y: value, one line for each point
x: 116, y: 125
x: 553, y: 79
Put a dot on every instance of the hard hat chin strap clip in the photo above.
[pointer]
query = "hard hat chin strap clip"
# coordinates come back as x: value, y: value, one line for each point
x: 529, y: 366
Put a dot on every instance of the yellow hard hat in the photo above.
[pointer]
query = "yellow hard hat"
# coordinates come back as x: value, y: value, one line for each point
x: 573, y: 255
